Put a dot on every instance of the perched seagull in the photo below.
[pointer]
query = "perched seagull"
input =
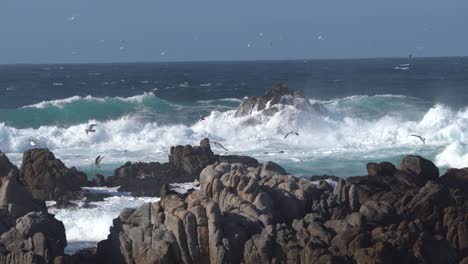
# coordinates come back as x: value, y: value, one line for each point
x: 32, y: 142
x: 219, y: 145
x: 90, y: 128
x: 421, y: 138
x: 97, y: 161
x: 289, y: 133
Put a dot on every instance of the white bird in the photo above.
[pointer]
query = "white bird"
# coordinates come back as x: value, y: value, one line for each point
x: 90, y: 128
x: 32, y: 142
x: 421, y: 138
x: 123, y: 43
x: 289, y: 133
x: 72, y: 18
x: 163, y: 53
x: 97, y: 161
x: 219, y: 145
x: 320, y: 37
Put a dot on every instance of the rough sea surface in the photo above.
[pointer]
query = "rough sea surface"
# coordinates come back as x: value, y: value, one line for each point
x: 373, y: 106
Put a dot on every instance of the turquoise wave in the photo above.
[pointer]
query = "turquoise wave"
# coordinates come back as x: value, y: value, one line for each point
x: 76, y: 110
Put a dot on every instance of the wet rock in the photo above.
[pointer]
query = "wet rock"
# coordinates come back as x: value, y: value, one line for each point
x: 37, y: 237
x: 47, y: 178
x: 423, y: 169
x: 99, y: 180
x: 14, y: 197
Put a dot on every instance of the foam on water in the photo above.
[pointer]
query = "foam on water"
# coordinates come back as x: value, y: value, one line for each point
x: 351, y: 128
x: 92, y: 224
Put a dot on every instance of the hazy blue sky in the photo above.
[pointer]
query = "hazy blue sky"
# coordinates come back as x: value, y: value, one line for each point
x: 34, y: 31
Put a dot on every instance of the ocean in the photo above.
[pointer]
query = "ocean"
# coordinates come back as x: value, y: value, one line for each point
x: 373, y: 106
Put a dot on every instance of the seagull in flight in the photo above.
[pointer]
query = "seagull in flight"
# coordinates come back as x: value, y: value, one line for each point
x: 289, y: 133
x: 219, y: 145
x: 32, y: 142
x: 97, y: 161
x: 421, y: 138
x: 90, y: 128
x: 202, y: 117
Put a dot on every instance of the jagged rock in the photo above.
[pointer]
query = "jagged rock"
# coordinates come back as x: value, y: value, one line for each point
x: 190, y: 160
x: 5, y: 165
x: 15, y: 199
x: 47, y: 178
x: 279, y: 94
x: 99, y: 180
x: 37, y: 238
x: 258, y: 214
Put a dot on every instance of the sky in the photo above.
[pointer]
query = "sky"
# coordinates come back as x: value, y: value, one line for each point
x: 85, y: 31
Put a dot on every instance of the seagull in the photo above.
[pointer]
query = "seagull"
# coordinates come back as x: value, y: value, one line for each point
x: 97, y: 161
x: 90, y: 128
x: 73, y: 18
x: 219, y: 145
x: 202, y: 117
x: 320, y: 37
x: 122, y: 44
x: 163, y: 53
x: 32, y: 142
x: 289, y: 133
x: 421, y: 138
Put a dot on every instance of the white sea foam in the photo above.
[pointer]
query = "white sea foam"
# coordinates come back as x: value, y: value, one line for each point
x: 92, y: 224
x: 342, y: 130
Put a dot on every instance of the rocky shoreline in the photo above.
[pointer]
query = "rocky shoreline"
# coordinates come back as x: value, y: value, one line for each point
x: 244, y: 212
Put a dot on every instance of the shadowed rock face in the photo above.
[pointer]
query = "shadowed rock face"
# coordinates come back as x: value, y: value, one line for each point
x: 6, y: 165
x: 47, y: 178
x: 36, y: 237
x: 185, y: 164
x: 258, y: 214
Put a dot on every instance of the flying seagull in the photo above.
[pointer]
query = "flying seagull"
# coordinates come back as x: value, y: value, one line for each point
x: 219, y: 145
x: 202, y: 117
x: 90, y: 128
x: 421, y: 138
x: 289, y: 133
x: 97, y: 161
x: 32, y: 142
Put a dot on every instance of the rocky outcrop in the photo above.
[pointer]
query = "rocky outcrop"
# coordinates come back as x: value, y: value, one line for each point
x: 15, y: 199
x: 37, y: 237
x: 278, y: 94
x: 6, y: 165
x: 47, y: 178
x: 259, y: 214
x: 185, y: 164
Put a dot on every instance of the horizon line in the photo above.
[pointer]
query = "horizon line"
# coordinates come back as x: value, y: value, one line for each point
x: 228, y: 61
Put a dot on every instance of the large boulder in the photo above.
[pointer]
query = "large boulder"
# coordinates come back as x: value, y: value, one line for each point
x: 37, y: 237
x: 47, y: 178
x: 15, y: 199
x: 456, y: 178
x: 420, y: 167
